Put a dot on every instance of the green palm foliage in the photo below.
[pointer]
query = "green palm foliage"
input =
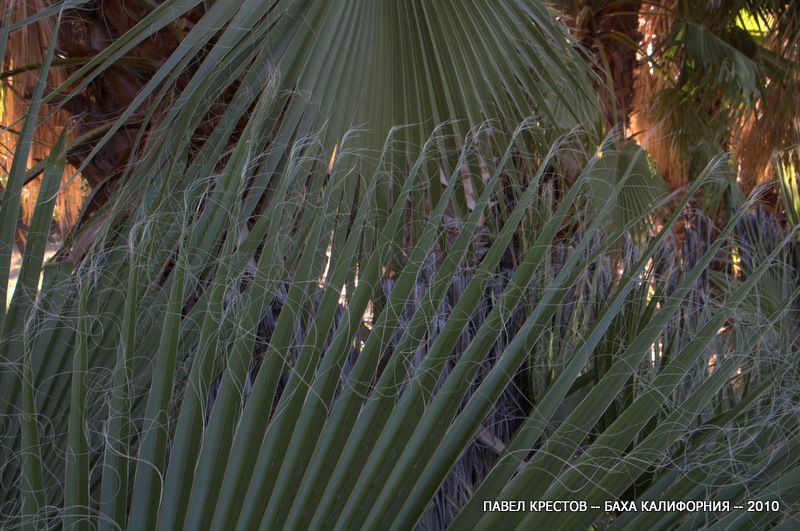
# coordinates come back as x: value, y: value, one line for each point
x: 265, y: 336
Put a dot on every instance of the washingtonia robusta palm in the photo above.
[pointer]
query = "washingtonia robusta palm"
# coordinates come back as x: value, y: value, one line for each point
x: 264, y: 335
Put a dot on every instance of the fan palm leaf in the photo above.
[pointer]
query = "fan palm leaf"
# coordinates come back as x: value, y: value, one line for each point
x: 236, y: 357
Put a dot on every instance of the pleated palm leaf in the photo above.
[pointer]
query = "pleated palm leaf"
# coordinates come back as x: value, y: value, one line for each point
x: 352, y: 64
x: 267, y: 336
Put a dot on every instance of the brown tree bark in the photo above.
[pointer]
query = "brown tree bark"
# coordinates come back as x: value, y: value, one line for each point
x: 83, y: 34
x: 609, y: 31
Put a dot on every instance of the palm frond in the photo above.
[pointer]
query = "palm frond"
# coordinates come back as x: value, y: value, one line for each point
x: 292, y: 323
